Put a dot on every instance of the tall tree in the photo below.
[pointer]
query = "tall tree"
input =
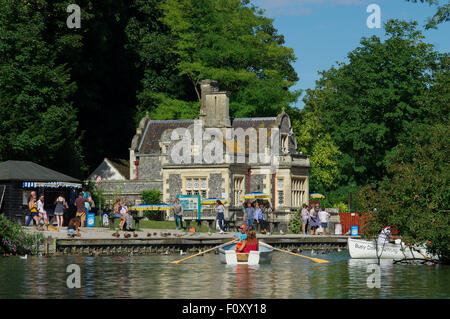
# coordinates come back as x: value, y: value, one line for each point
x: 229, y: 41
x: 313, y: 139
x: 368, y: 103
x: 415, y: 193
x: 37, y: 118
x: 151, y: 43
x: 105, y: 73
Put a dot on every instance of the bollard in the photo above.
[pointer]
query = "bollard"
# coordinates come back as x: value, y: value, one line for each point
x: 52, y: 246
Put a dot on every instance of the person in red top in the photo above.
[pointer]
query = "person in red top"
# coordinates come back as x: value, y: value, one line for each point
x: 249, y: 244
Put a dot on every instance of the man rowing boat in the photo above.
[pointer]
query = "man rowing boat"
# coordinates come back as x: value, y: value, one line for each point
x: 386, y: 235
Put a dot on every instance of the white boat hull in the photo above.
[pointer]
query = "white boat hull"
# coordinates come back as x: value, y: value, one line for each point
x: 363, y: 249
x: 229, y: 256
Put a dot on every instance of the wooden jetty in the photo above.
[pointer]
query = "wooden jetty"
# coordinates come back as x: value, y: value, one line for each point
x: 188, y: 243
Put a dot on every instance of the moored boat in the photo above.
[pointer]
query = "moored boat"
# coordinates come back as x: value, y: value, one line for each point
x: 229, y: 256
x: 364, y: 249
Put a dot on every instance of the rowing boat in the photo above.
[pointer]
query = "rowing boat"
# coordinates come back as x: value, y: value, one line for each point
x: 364, y: 249
x: 229, y: 256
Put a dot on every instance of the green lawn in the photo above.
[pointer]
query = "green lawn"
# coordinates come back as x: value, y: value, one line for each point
x: 154, y: 224
x: 157, y: 224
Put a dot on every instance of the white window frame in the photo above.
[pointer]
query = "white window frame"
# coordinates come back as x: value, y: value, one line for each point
x: 200, y: 189
x: 297, y: 191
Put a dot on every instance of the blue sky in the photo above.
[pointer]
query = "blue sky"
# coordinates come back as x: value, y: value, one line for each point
x: 322, y: 32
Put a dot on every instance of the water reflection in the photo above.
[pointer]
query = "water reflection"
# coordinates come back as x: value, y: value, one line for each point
x: 204, y: 277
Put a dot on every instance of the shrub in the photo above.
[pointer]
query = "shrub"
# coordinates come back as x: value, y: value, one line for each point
x: 152, y: 196
x: 295, y: 225
x: 15, y: 241
x: 343, y: 207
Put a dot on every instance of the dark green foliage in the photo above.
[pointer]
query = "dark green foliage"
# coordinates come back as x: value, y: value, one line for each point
x: 180, y: 43
x: 152, y: 196
x: 415, y: 194
x: 70, y: 97
x: 295, y: 224
x: 340, y: 195
x: 369, y: 102
x: 38, y: 121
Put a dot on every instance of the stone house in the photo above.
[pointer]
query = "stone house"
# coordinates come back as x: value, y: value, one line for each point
x: 218, y: 156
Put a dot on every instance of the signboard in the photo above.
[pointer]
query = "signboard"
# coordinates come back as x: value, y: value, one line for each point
x: 191, y: 206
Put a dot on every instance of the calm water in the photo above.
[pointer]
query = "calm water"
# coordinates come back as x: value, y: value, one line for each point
x: 204, y: 277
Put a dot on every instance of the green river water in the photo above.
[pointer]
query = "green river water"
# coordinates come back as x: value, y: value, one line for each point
x: 153, y: 276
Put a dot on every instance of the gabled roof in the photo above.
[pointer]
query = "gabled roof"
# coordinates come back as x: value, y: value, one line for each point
x: 109, y: 167
x: 121, y: 165
x: 29, y: 171
x: 153, y: 131
x: 149, y: 143
x: 256, y: 122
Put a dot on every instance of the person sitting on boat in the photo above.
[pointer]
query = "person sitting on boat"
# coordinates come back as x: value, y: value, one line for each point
x: 242, y: 234
x: 249, y: 244
x: 386, y: 235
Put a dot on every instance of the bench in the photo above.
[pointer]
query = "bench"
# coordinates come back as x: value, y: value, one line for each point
x: 274, y: 227
x: 230, y: 223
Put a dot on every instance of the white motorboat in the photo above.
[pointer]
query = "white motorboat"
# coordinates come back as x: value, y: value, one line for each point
x: 364, y: 249
x: 229, y: 256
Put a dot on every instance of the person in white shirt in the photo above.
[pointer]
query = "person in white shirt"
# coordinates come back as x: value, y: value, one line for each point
x: 41, y: 210
x: 305, y: 216
x: 323, y: 217
x: 125, y: 217
x: 385, y: 234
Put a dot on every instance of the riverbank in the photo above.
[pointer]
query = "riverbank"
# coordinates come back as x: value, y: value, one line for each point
x: 100, y: 241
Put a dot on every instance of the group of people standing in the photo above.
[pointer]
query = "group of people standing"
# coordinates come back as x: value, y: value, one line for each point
x: 314, y: 219
x: 255, y: 215
x: 36, y: 205
x: 38, y: 212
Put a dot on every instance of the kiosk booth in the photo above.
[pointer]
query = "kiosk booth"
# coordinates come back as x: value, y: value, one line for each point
x: 19, y: 178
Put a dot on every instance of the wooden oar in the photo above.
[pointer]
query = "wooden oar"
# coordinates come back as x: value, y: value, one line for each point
x: 317, y: 260
x: 202, y: 252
